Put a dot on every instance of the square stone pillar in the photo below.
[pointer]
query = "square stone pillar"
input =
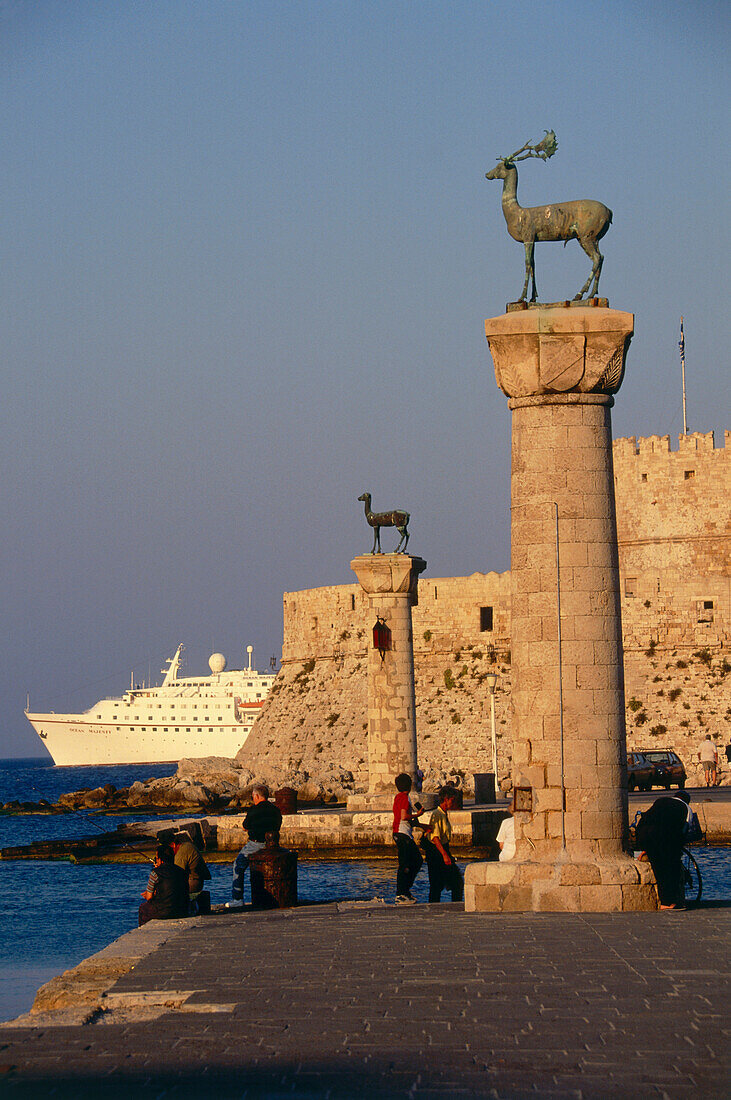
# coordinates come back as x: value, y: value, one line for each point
x: 560, y: 367
x: 390, y: 582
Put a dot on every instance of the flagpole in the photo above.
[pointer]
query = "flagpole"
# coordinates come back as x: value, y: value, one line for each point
x: 681, y: 345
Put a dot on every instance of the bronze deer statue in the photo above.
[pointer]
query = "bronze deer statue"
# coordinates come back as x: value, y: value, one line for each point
x: 397, y: 518
x: 583, y: 219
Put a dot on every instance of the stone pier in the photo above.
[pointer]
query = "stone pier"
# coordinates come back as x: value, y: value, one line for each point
x: 390, y: 582
x: 560, y: 366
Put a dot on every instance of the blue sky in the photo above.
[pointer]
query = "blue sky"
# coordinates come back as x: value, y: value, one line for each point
x: 246, y: 253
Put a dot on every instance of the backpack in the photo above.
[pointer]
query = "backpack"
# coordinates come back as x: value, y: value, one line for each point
x: 692, y: 830
x: 643, y: 828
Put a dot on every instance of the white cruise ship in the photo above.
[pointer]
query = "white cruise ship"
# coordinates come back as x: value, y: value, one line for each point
x: 187, y: 716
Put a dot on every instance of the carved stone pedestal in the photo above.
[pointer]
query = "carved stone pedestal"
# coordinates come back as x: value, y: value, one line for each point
x: 559, y: 367
x: 390, y: 581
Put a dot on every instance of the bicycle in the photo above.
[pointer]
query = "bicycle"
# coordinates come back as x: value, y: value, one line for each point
x: 692, y: 878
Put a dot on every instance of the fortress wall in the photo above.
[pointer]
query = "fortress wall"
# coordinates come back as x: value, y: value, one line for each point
x: 332, y: 623
x: 314, y: 718
x: 674, y: 533
x: 675, y: 560
x: 673, y: 506
x: 674, y: 697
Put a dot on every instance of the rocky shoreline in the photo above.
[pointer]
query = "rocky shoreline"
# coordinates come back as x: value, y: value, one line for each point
x: 214, y: 784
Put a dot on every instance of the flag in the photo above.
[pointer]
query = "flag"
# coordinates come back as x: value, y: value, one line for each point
x: 681, y: 342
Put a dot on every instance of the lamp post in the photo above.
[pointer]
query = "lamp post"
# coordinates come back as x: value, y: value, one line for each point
x: 491, y: 684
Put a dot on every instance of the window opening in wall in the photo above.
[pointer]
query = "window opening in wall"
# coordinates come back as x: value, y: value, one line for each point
x: 630, y: 583
x: 644, y: 477
x: 485, y: 618
x: 435, y: 591
x: 352, y: 603
x: 689, y: 474
x: 705, y: 611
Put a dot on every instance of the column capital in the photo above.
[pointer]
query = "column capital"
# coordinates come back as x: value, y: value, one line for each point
x: 388, y: 574
x: 569, y: 348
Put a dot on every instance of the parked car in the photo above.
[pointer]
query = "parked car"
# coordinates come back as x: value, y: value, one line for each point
x: 639, y: 772
x: 649, y: 768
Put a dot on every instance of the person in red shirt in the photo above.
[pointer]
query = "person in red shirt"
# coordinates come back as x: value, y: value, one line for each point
x: 409, y: 856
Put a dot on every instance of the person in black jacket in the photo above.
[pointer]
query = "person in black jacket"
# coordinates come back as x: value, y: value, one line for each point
x: 660, y: 832
x: 166, y: 895
x: 263, y: 817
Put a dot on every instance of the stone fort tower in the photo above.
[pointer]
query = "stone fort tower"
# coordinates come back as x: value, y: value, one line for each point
x: 674, y: 532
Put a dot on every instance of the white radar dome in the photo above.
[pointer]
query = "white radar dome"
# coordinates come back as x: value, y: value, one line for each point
x: 216, y: 663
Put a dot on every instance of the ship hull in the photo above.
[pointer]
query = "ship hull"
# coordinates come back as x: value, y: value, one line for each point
x: 71, y: 742
x: 186, y: 716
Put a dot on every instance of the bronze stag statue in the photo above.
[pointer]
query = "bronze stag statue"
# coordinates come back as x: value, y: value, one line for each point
x: 583, y: 220
x: 396, y: 518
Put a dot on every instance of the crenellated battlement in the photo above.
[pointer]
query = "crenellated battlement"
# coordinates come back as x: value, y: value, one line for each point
x: 679, y: 496
x: 630, y: 446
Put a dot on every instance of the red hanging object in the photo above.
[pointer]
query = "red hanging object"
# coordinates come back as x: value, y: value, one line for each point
x: 381, y: 637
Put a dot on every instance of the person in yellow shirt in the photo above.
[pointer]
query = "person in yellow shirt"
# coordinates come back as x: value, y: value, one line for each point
x: 443, y: 871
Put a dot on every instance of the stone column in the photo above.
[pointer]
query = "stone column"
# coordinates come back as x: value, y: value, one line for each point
x: 390, y: 581
x: 560, y: 366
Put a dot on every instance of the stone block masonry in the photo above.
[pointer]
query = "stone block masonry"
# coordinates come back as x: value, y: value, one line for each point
x: 390, y: 583
x: 559, y: 368
x: 593, y: 704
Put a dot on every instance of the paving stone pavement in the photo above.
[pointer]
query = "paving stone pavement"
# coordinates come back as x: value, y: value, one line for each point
x: 413, y: 1002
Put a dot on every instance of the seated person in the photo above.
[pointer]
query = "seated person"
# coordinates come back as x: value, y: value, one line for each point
x: 506, y: 839
x: 189, y: 859
x: 166, y: 895
x: 263, y: 817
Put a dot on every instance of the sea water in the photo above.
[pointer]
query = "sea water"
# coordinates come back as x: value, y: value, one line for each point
x: 53, y: 914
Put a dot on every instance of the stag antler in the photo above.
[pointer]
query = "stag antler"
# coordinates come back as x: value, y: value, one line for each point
x: 545, y: 148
